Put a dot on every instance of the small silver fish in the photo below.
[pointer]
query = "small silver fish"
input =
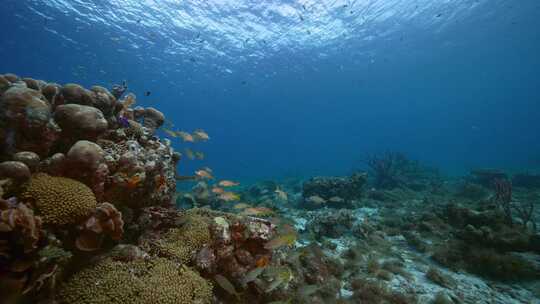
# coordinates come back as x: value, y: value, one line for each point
x: 252, y: 275
x: 224, y: 283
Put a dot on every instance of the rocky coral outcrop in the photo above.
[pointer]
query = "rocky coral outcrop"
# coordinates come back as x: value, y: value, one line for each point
x: 25, y: 123
x: 335, y: 192
x: 332, y: 224
x: 81, y: 172
x: 15, y: 170
x: 63, y: 153
x: 80, y: 122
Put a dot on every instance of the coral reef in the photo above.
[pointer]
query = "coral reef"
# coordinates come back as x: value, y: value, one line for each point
x: 88, y: 215
x: 71, y: 175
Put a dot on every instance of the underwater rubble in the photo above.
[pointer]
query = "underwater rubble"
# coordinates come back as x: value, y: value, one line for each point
x: 90, y: 213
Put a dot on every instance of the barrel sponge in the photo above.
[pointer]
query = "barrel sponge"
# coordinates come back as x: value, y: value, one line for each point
x: 141, y: 281
x: 181, y: 243
x: 59, y: 200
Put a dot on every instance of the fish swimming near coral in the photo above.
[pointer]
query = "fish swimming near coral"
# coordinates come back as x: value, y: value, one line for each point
x: 170, y: 132
x: 203, y: 174
x: 189, y: 153
x: 228, y: 183
x: 200, y: 135
x: 316, y: 200
x: 252, y: 275
x: 185, y: 136
x: 336, y: 199
x: 241, y: 206
x: 226, y: 285
x: 229, y: 196
x: 217, y: 190
x: 258, y: 211
x: 288, y: 239
x: 199, y: 155
x: 281, y: 276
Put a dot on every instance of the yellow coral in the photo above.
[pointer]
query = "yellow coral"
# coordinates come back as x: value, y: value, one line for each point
x: 59, y: 200
x: 141, y: 281
x: 181, y: 243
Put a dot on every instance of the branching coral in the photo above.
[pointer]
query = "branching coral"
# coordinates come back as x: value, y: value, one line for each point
x: 524, y: 209
x: 388, y: 169
x: 59, y: 200
x: 391, y: 170
x: 141, y: 281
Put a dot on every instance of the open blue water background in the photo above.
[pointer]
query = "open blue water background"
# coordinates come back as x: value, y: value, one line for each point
x: 297, y: 88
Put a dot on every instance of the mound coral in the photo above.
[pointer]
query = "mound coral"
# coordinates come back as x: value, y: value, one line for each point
x: 15, y: 170
x: 80, y: 122
x: 59, y: 200
x: 141, y: 281
x: 182, y: 243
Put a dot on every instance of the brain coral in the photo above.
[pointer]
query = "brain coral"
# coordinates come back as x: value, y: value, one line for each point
x: 59, y: 200
x: 182, y: 243
x: 142, y: 281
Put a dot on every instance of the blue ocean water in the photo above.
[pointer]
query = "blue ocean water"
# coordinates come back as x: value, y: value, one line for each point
x: 298, y: 88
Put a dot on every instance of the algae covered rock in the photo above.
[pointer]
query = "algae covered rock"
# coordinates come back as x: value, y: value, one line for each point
x: 103, y: 100
x: 50, y: 91
x: 24, y: 106
x: 76, y: 94
x: 85, y: 155
x: 153, y: 118
x: 59, y: 200
x: 15, y: 170
x: 24, y: 121
x: 29, y: 158
x: 142, y: 281
x: 80, y: 121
